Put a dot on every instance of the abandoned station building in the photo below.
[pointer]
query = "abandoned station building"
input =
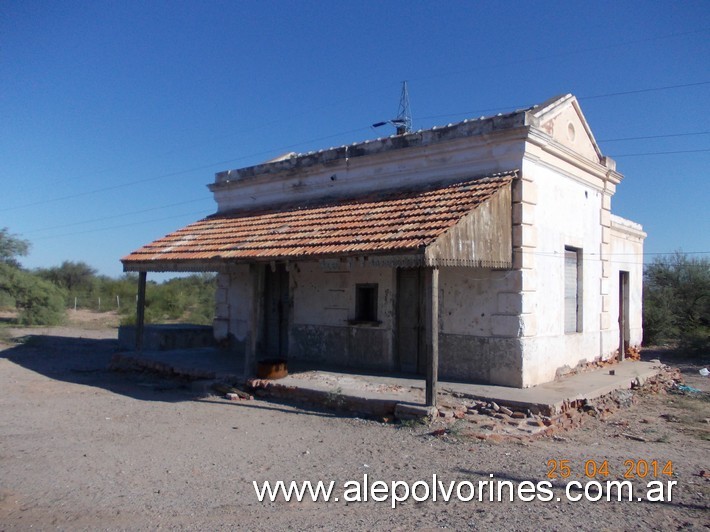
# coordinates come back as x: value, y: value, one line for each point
x: 491, y: 239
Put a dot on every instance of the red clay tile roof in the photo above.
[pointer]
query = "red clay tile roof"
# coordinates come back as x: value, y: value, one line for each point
x: 393, y: 223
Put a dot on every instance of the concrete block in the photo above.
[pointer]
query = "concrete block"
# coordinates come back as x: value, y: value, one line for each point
x: 606, y: 268
x: 604, y: 250
x: 515, y: 303
x: 523, y: 213
x: 510, y: 303
x: 605, y: 218
x: 506, y: 326
x: 524, y: 280
x: 606, y: 235
x: 523, y: 258
x: 606, y: 202
x: 524, y: 236
x: 604, y: 287
x: 406, y: 411
x: 529, y: 324
x: 525, y: 192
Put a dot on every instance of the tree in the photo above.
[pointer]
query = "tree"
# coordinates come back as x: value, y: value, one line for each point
x: 11, y: 247
x: 677, y: 301
x: 39, y: 302
x: 72, y: 276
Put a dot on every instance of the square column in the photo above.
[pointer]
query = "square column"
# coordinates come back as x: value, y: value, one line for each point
x: 140, y: 310
x: 431, y: 303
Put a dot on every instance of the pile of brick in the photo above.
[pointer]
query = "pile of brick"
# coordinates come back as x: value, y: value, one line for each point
x: 491, y: 421
x: 667, y: 379
x: 231, y: 393
x: 633, y: 353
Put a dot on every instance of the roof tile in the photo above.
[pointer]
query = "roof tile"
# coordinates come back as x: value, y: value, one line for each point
x: 398, y: 222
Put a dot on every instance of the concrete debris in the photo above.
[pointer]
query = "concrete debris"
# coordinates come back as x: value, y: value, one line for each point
x: 484, y: 422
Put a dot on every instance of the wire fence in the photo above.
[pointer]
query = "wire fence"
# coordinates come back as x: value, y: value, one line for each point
x: 101, y: 302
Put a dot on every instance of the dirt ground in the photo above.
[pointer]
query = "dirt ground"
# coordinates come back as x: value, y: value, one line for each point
x: 85, y: 448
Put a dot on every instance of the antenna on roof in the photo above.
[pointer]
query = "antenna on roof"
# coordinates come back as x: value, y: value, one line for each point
x: 403, y: 122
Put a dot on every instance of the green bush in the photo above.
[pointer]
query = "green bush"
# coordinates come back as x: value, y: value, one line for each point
x: 39, y: 302
x: 185, y: 299
x: 676, y: 302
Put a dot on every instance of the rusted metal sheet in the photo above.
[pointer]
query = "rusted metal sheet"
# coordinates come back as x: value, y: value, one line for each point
x: 481, y: 237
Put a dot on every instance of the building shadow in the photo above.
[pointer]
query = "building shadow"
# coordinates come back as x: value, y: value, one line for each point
x: 87, y: 362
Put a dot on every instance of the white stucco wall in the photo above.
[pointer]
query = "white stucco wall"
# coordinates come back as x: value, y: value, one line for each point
x: 626, y: 255
x: 323, y: 297
x: 567, y: 213
x: 509, y: 321
x: 469, y: 300
x: 233, y: 304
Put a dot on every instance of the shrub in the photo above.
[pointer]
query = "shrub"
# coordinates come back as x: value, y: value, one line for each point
x: 39, y: 302
x: 676, y: 302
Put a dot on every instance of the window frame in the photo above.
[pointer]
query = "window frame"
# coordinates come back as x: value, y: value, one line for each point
x: 366, y: 304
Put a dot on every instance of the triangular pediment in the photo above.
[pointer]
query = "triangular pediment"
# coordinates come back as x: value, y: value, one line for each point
x: 563, y: 120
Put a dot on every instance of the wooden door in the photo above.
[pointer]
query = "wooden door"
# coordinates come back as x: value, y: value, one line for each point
x: 410, y: 321
x: 276, y: 306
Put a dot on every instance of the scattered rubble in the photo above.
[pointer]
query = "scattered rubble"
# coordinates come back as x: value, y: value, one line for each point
x: 492, y: 421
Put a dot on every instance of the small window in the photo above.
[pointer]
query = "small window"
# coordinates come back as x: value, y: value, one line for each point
x: 366, y: 302
x: 573, y: 290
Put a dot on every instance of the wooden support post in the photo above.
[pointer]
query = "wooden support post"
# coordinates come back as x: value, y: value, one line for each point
x: 432, y: 334
x: 257, y: 319
x: 140, y: 310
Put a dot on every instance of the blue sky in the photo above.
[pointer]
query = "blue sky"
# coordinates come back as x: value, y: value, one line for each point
x: 115, y: 115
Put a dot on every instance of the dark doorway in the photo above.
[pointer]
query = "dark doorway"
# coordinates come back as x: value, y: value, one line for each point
x: 276, y: 307
x: 624, y: 333
x: 411, y: 349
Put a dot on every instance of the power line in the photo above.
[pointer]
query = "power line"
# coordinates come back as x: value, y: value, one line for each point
x: 659, y: 153
x: 591, y: 97
x: 141, y: 211
x: 122, y: 215
x: 171, y: 174
x: 210, y: 165
x: 639, y: 91
x: 97, y: 230
x: 657, y: 136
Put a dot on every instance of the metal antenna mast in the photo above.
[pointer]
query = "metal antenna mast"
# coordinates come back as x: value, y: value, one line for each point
x: 403, y: 122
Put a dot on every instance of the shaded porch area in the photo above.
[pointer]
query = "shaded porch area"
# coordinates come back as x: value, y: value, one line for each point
x: 380, y: 395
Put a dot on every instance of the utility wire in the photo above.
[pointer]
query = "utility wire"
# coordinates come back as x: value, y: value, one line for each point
x: 657, y: 136
x: 659, y: 153
x: 198, y: 213
x: 639, y: 91
x: 159, y: 207
x: 591, y: 97
x: 122, y: 215
x: 171, y: 174
x: 210, y: 165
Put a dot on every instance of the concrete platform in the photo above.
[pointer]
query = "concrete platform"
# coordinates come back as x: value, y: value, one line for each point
x: 380, y: 394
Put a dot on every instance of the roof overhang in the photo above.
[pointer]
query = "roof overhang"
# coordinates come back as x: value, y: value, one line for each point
x: 462, y: 224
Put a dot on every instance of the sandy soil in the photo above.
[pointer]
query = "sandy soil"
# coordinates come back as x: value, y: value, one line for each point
x: 85, y: 448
